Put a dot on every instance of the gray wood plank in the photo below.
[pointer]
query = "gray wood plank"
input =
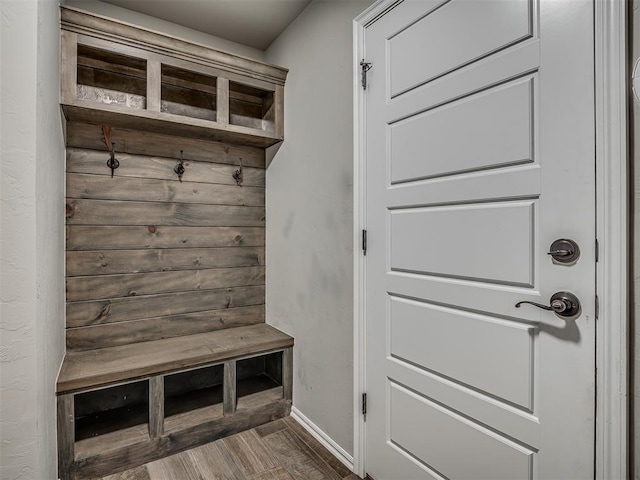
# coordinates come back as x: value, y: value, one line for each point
x: 223, y: 100
x: 88, y: 161
x: 81, y: 237
x: 174, y: 467
x: 138, y: 473
x: 84, y: 135
x: 98, y: 312
x: 154, y: 87
x: 287, y: 373
x: 102, y: 187
x: 275, y: 474
x: 213, y: 462
x: 114, y: 212
x: 136, y: 284
x: 156, y: 406
x: 298, y: 458
x: 157, y: 328
x: 110, y: 365
x: 68, y: 65
x: 156, y: 260
x: 229, y: 388
x: 127, y: 457
x: 316, y: 446
x: 66, y: 435
x: 249, y: 453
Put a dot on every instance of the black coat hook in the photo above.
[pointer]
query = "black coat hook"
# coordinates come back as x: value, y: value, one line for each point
x: 113, y: 162
x: 179, y: 169
x: 237, y: 175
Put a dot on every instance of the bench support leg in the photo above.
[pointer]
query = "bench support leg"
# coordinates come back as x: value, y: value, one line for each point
x: 229, y: 388
x: 66, y: 435
x: 287, y: 373
x: 156, y: 406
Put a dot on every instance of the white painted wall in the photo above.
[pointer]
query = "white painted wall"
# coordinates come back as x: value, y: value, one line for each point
x: 310, y: 213
x: 31, y: 237
x: 162, y: 26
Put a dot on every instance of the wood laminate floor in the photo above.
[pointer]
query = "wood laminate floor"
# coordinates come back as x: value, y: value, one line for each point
x: 280, y: 450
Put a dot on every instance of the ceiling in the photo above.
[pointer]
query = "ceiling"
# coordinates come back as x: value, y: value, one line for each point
x: 256, y: 23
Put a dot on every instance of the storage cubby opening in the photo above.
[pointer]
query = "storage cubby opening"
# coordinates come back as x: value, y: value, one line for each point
x: 193, y: 390
x: 111, y: 409
x: 189, y: 94
x: 111, y: 78
x: 259, y: 374
x: 250, y: 107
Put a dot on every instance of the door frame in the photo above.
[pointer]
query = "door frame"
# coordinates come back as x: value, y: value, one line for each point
x: 612, y: 230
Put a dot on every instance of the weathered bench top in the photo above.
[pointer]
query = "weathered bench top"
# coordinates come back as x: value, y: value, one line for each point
x: 95, y: 368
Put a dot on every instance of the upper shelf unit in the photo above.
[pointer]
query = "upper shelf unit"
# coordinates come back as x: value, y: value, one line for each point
x: 117, y: 74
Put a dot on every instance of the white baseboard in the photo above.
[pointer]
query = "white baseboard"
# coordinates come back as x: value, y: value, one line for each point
x: 326, y: 441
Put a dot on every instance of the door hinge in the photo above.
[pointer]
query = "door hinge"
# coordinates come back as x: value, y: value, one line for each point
x: 364, y: 68
x: 597, y: 307
x: 597, y: 251
x: 364, y: 242
x: 364, y: 406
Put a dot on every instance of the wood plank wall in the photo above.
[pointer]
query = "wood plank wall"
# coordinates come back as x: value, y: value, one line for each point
x: 150, y: 257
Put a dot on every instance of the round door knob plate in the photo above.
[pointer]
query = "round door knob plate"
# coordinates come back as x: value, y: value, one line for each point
x: 564, y: 251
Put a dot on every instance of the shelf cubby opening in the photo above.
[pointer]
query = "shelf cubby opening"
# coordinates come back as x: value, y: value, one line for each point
x: 111, y: 78
x: 189, y: 94
x: 259, y: 374
x: 250, y: 107
x: 108, y: 410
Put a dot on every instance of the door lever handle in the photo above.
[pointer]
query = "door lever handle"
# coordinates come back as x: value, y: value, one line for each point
x: 563, y: 304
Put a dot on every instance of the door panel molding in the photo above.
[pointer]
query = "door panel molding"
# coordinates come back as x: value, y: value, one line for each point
x: 612, y: 227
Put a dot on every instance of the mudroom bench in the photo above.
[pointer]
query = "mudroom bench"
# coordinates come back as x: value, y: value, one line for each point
x: 123, y: 406
x: 167, y: 341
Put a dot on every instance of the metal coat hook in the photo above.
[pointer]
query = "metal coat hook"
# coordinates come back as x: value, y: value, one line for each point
x: 113, y: 162
x: 179, y: 169
x: 237, y: 175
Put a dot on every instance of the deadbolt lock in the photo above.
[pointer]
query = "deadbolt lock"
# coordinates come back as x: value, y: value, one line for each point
x: 564, y: 251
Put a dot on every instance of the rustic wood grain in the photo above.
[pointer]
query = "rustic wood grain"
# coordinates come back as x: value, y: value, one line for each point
x: 92, y: 368
x: 134, y: 455
x: 213, y: 462
x: 114, y: 212
x: 95, y: 237
x: 154, y: 144
x: 278, y: 473
x: 223, y: 100
x: 66, y: 435
x: 153, y: 85
x: 156, y: 406
x: 87, y: 111
x: 298, y: 458
x: 102, y: 187
x: 287, y: 373
x: 169, y: 45
x: 316, y: 446
x: 137, y: 284
x: 156, y: 260
x: 175, y: 467
x: 229, y: 388
x: 139, y: 473
x: 279, y: 112
x: 249, y: 453
x: 68, y: 65
x: 99, y: 312
x: 87, y: 161
x: 157, y: 328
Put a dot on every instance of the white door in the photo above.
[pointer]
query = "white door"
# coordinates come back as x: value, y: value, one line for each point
x: 479, y: 155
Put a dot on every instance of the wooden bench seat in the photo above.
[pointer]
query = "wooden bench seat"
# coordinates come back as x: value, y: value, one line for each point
x: 126, y: 400
x: 93, y: 369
